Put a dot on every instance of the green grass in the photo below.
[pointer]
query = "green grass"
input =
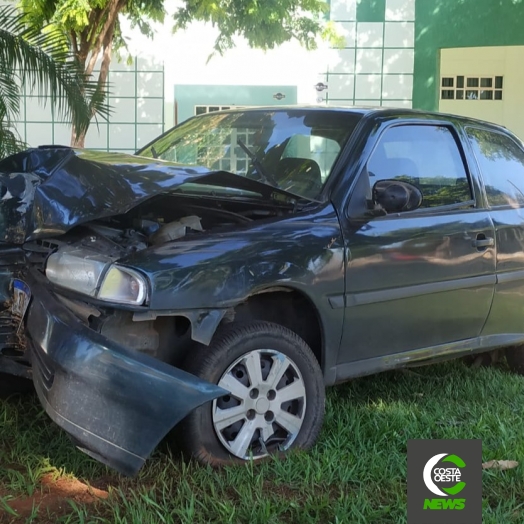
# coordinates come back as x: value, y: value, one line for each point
x: 356, y: 473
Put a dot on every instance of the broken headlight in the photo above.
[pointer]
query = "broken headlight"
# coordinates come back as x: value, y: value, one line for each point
x: 123, y: 285
x: 77, y: 268
x: 89, y: 272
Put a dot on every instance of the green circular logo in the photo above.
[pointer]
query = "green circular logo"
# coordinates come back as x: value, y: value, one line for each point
x: 444, y: 474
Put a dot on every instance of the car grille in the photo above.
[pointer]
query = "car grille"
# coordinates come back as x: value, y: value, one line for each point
x: 8, y: 328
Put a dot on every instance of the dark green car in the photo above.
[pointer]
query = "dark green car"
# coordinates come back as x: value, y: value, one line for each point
x: 246, y: 259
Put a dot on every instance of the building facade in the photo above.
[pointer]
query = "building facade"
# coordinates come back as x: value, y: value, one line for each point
x: 457, y: 56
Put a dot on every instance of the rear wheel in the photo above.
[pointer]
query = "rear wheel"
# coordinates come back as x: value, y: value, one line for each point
x: 275, y: 397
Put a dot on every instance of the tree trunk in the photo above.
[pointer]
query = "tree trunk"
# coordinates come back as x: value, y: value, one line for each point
x: 78, y: 139
x: 103, y: 42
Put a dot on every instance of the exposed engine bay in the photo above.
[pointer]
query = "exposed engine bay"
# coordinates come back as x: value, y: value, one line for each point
x: 84, y: 261
x: 159, y: 220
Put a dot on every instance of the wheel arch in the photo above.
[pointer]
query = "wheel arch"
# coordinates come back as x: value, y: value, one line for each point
x: 288, y: 307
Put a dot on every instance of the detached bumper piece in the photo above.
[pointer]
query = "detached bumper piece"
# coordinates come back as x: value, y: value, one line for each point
x: 116, y: 404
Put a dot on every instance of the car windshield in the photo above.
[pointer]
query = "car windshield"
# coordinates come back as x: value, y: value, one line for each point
x: 292, y: 149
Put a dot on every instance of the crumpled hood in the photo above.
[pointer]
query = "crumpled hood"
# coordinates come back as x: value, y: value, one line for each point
x: 48, y: 190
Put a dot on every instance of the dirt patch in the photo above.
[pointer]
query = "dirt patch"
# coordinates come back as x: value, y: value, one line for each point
x: 53, y: 497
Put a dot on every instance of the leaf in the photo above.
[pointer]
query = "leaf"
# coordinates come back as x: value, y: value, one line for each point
x: 502, y: 465
x: 38, y: 59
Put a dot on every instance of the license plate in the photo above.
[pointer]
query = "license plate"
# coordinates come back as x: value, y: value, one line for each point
x: 21, y: 298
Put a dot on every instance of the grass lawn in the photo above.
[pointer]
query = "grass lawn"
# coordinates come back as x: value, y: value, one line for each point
x: 355, y: 473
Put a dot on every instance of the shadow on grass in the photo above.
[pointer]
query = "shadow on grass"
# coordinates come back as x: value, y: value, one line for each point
x: 356, y: 473
x: 10, y: 385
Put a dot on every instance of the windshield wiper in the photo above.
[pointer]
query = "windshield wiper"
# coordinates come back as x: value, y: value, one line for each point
x: 265, y: 175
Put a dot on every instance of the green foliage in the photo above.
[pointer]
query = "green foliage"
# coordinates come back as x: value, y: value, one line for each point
x: 38, y: 60
x: 264, y: 24
x: 93, y: 26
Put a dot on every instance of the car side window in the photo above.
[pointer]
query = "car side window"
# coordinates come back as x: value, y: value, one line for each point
x: 426, y: 156
x: 501, y: 163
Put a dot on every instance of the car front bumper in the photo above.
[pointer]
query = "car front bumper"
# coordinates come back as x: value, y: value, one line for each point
x: 116, y: 404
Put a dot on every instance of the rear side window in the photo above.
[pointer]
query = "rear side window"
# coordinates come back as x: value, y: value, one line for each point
x: 426, y: 156
x: 501, y: 162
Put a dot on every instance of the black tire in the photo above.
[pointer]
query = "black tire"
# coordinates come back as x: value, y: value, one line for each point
x: 266, y: 342
x: 515, y: 359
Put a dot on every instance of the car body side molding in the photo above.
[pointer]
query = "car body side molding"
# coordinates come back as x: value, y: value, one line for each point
x: 441, y: 352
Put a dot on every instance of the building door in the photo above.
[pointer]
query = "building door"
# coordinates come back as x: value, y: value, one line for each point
x: 484, y: 83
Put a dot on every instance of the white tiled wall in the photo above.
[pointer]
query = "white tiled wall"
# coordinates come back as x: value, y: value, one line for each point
x: 399, y: 10
x: 146, y: 133
x: 368, y: 87
x: 136, y: 97
x: 347, y: 30
x: 376, y: 65
x: 342, y: 61
x: 397, y: 87
x: 370, y: 34
x: 343, y: 9
x: 122, y: 83
x: 398, y: 61
x: 369, y: 61
x: 123, y: 109
x: 341, y: 86
x: 36, y: 109
x: 399, y: 34
x: 121, y: 136
x: 149, y: 110
x: 39, y: 133
x: 62, y: 134
x: 150, y: 84
x: 97, y: 137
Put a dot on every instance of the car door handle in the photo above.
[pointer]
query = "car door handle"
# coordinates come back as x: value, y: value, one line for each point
x: 483, y: 241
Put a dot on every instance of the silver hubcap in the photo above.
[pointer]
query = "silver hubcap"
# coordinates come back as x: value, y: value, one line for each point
x: 266, y: 405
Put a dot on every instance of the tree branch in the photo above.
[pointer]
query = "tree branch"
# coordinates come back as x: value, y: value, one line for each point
x: 99, y: 13
x: 75, y: 43
x: 112, y: 9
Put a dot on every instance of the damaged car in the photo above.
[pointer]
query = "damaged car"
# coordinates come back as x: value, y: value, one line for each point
x: 219, y: 279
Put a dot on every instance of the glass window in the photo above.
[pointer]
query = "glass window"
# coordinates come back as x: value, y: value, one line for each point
x: 323, y: 151
x: 452, y: 88
x: 291, y: 149
x: 425, y: 156
x: 501, y: 162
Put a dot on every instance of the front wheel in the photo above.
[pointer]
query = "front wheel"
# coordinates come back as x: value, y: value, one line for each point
x: 275, y: 399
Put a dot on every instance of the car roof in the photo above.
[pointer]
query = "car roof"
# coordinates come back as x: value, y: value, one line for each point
x: 384, y: 113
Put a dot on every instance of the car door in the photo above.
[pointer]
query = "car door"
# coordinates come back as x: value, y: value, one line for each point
x: 422, y: 278
x: 500, y: 159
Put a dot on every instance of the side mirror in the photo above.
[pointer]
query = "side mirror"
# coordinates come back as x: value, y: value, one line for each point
x: 395, y: 196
